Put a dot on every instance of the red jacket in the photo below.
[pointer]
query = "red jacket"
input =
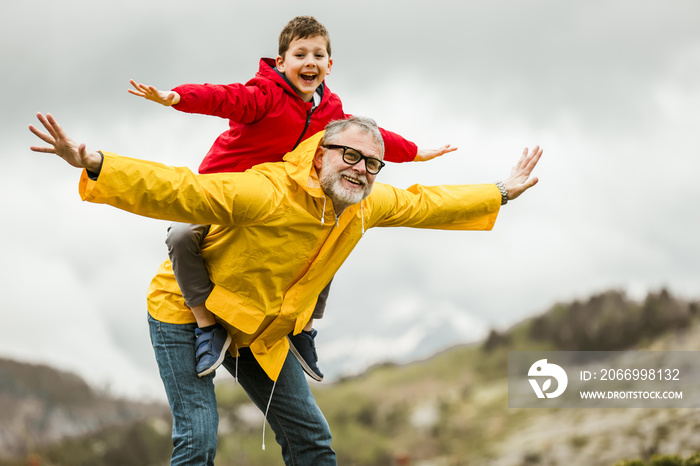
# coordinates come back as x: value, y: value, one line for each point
x: 267, y: 119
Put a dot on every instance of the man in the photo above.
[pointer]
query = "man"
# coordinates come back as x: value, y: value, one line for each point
x: 294, y: 241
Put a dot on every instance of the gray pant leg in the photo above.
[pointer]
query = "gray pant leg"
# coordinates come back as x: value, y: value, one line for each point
x: 184, y: 248
x: 321, y: 302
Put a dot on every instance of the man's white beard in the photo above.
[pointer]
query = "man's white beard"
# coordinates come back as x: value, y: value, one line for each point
x: 342, y: 196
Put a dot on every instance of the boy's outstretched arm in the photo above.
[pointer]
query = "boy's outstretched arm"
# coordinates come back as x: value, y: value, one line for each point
x: 167, y: 98
x: 75, y: 154
x: 423, y: 155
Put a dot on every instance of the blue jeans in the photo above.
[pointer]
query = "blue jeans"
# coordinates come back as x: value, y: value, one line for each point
x: 299, y: 426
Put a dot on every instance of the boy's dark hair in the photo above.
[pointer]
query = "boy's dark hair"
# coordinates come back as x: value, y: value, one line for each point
x: 302, y: 27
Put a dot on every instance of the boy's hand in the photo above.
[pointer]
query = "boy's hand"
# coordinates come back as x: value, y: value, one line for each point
x: 63, y: 146
x: 424, y: 155
x: 519, y: 180
x: 166, y: 98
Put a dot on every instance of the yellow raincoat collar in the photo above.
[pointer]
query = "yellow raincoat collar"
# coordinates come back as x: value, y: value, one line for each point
x: 300, y: 167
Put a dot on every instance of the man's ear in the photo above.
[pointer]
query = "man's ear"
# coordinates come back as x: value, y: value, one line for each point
x: 318, y: 158
x: 279, y: 63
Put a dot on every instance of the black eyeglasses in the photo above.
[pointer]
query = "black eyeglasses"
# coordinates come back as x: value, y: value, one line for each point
x: 353, y: 156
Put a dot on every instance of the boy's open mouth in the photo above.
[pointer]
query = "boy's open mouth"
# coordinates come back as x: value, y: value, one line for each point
x: 309, y: 78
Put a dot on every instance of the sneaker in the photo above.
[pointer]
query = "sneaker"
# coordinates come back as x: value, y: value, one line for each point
x: 303, y: 347
x: 210, y: 348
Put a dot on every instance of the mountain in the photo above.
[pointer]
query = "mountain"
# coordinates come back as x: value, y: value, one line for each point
x: 41, y: 406
x: 448, y: 409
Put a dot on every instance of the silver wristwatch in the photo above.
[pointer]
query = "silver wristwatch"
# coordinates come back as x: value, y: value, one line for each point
x: 504, y: 192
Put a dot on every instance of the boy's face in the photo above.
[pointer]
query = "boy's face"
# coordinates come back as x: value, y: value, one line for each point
x: 306, y: 64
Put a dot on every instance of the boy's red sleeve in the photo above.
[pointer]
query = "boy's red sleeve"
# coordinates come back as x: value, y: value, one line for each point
x: 396, y: 148
x: 238, y: 102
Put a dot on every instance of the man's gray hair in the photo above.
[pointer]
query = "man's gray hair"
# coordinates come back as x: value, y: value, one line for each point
x: 364, y: 124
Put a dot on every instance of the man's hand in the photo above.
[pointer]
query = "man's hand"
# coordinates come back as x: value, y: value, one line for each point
x: 519, y: 180
x: 424, y: 155
x: 166, y: 98
x: 63, y: 146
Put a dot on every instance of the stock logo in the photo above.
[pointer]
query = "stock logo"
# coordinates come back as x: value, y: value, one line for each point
x: 542, y: 369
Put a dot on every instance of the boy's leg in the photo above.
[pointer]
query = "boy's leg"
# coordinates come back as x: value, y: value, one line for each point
x: 321, y: 302
x: 298, y: 423
x: 203, y: 316
x: 303, y: 345
x: 191, y: 398
x: 184, y: 243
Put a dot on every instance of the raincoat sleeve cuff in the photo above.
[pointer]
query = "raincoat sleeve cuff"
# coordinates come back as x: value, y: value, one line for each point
x: 88, y: 179
x: 93, y: 175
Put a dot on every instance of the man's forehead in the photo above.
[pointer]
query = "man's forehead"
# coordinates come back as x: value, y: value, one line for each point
x: 358, y: 139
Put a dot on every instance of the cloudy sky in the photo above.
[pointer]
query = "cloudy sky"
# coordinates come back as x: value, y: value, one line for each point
x: 610, y: 89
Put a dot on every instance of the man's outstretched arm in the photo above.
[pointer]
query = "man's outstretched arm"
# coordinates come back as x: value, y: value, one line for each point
x: 159, y: 191
x: 452, y: 207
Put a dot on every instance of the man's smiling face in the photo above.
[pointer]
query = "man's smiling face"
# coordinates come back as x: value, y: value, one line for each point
x: 346, y: 184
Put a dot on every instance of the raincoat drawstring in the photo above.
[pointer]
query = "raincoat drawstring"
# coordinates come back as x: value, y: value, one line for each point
x: 266, y: 411
x: 362, y: 216
x: 235, y: 377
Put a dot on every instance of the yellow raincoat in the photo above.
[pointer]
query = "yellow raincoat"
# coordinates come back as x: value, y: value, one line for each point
x: 274, y: 243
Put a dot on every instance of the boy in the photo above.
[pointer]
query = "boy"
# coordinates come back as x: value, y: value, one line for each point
x: 268, y: 117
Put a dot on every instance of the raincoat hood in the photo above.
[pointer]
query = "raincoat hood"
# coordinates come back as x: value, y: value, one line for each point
x: 300, y: 166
